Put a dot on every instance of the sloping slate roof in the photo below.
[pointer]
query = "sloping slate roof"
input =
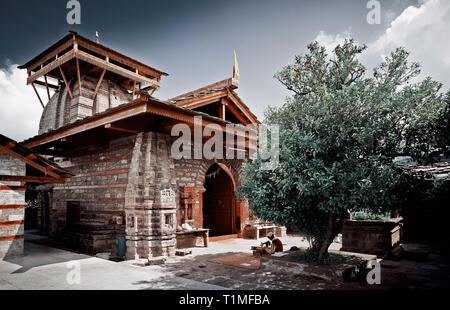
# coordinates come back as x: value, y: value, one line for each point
x: 197, y: 95
x: 439, y: 170
x: 24, y: 151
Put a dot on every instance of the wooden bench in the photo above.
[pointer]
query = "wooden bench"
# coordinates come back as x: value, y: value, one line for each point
x: 188, y: 239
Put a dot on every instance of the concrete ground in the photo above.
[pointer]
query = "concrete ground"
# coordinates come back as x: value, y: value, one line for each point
x: 43, y: 267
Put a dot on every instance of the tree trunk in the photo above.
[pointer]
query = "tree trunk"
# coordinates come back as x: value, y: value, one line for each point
x: 332, y: 231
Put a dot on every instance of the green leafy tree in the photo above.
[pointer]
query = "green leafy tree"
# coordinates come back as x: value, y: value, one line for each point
x: 443, y: 129
x: 339, y: 134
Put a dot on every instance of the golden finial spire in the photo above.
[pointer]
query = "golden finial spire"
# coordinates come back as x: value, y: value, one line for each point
x: 235, y: 67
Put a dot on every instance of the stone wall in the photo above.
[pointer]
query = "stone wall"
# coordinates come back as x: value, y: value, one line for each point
x: 12, y: 208
x: 150, y: 199
x: 132, y: 188
x: 98, y: 187
x: 61, y: 110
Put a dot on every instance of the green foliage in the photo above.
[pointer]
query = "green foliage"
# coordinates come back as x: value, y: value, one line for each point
x: 339, y: 134
x: 443, y: 128
x: 368, y: 215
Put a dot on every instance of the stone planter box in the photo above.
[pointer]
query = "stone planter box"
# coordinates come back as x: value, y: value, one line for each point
x: 371, y: 237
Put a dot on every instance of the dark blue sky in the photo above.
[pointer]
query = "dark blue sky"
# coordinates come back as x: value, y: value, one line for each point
x: 194, y: 40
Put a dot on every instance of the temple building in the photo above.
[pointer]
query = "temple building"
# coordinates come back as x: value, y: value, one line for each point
x: 104, y: 127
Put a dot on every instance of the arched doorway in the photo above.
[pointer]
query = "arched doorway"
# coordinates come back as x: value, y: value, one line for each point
x: 218, y: 202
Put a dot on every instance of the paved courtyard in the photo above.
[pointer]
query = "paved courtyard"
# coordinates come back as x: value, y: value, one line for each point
x: 43, y: 267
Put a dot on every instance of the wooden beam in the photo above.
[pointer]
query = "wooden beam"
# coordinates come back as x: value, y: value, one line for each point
x: 29, y: 162
x: 236, y: 112
x: 114, y: 68
x: 51, y: 66
x: 46, y: 86
x: 50, y: 54
x: 15, y: 178
x: 243, y: 109
x: 222, y: 84
x: 203, y: 100
x: 79, y: 77
x: 10, y: 144
x: 98, y: 84
x: 39, y: 97
x: 115, y: 56
x: 32, y: 156
x: 65, y: 81
x: 188, y: 118
x: 109, y: 126
x: 37, y: 82
x: 134, y: 109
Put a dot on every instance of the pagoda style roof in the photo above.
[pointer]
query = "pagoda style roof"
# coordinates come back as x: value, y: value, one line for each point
x: 74, y: 54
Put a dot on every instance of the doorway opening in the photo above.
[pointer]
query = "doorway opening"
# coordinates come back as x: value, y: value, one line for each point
x: 218, y: 202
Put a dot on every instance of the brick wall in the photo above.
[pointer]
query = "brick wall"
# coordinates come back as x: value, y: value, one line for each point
x: 12, y: 208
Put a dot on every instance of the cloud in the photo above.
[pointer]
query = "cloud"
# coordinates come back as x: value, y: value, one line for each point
x: 20, y: 110
x: 423, y: 31
x: 330, y: 41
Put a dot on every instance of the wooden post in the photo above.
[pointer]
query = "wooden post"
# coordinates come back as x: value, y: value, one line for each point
x: 46, y: 86
x: 200, y: 208
x: 65, y: 81
x: 222, y: 111
x: 134, y: 90
x: 40, y: 100
x: 78, y: 74
x: 98, y: 84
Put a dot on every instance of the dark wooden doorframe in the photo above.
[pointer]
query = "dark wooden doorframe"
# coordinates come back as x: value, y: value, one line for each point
x: 219, y: 203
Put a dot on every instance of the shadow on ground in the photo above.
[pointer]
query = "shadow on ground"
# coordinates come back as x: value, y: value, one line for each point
x: 404, y: 274
x: 40, y: 251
